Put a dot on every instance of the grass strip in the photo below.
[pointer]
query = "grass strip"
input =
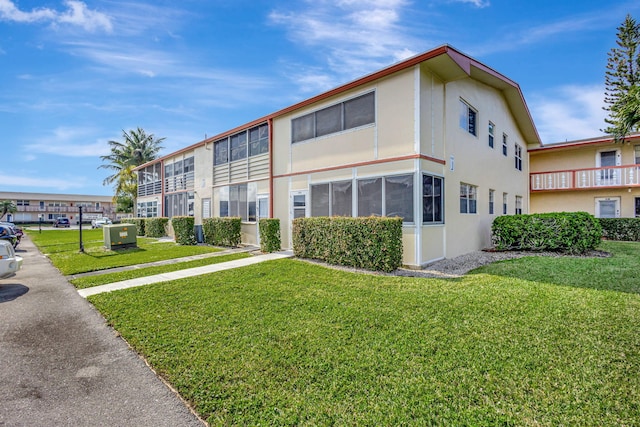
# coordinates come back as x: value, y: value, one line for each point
x: 102, y: 279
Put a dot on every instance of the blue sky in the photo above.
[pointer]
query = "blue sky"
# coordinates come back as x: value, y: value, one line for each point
x: 74, y: 74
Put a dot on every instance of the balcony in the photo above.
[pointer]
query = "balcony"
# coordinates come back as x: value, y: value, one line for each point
x: 65, y: 209
x: 586, y: 179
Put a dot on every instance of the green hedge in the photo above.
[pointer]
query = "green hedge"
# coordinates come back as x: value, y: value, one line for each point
x: 372, y: 243
x: 139, y: 223
x: 222, y: 231
x: 269, y: 234
x: 568, y: 232
x: 627, y: 229
x: 184, y: 229
x: 156, y: 227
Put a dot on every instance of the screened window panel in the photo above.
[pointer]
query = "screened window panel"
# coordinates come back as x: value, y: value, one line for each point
x: 259, y: 140
x: 242, y: 202
x: 303, y: 128
x: 341, y: 198
x: 238, y: 146
x: 188, y: 165
x: 177, y: 167
x: 233, y: 201
x: 360, y: 111
x: 329, y: 120
x: 370, y: 197
x: 320, y: 200
x: 168, y: 171
x: 399, y: 197
x: 221, y: 152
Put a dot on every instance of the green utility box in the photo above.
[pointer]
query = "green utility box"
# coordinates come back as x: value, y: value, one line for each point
x: 119, y: 236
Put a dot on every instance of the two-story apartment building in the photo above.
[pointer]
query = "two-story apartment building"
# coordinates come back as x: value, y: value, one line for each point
x: 595, y: 175
x: 33, y: 207
x: 439, y: 139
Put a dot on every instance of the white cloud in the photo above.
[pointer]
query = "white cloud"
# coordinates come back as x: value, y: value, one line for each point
x: 77, y: 14
x: 569, y: 113
x: 476, y: 3
x: 355, y: 37
x: 69, y: 142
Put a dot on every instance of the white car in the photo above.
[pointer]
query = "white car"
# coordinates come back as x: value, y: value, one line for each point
x: 98, y: 223
x: 10, y: 263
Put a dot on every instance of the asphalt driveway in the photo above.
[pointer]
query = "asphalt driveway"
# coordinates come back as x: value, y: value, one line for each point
x: 61, y: 365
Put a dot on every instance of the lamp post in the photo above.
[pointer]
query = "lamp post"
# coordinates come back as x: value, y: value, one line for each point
x: 81, y: 246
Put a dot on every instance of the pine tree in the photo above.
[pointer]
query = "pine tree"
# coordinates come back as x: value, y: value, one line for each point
x: 622, y: 82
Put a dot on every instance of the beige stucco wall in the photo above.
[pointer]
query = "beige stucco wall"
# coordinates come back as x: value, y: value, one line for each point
x: 475, y: 163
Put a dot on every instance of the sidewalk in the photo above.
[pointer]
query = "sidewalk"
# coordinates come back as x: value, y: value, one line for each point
x: 181, y: 274
x: 63, y: 366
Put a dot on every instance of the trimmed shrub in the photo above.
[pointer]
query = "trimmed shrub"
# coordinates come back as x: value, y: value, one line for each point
x: 139, y: 223
x: 626, y: 229
x: 156, y: 227
x: 568, y: 232
x: 269, y: 234
x: 184, y: 229
x: 372, y: 243
x: 222, y: 231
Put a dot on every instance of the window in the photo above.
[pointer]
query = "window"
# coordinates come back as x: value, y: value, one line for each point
x: 147, y: 209
x: 221, y: 152
x: 238, y: 201
x: 398, y: 197
x: 259, y: 140
x: 637, y: 154
x: 518, y: 205
x: 468, y: 198
x: 332, y: 199
x: 518, y: 156
x: 299, y: 205
x: 491, y: 198
x: 188, y: 165
x: 491, y: 129
x: 349, y: 114
x: 22, y: 202
x: 468, y: 117
x: 504, y: 203
x: 504, y: 144
x: 370, y: 197
x: 238, y: 146
x: 251, y: 142
x: 432, y: 199
x: 637, y: 204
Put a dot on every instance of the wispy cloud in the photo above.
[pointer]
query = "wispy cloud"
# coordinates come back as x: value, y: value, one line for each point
x: 57, y: 184
x: 355, y: 37
x: 476, y: 3
x: 569, y: 113
x: 76, y: 143
x: 76, y: 14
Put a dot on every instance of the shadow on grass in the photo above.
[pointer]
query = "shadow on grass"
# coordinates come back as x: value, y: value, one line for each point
x: 617, y: 273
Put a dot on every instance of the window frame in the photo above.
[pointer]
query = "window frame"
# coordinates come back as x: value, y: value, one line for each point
x: 505, y: 144
x: 491, y: 130
x: 468, y: 198
x: 518, y: 156
x: 468, y: 118
x: 432, y: 199
x: 309, y: 131
x: 491, y: 201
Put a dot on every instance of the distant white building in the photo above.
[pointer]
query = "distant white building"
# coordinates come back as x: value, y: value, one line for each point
x: 31, y: 207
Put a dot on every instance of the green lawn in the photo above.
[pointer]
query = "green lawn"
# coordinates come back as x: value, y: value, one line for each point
x: 62, y: 247
x: 534, y: 341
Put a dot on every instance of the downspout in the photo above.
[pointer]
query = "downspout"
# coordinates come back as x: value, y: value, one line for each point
x: 271, y: 195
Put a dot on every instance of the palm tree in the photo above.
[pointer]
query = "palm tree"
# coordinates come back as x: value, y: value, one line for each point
x: 7, y: 206
x: 138, y: 148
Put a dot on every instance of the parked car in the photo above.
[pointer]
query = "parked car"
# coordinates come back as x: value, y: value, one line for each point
x: 99, y: 222
x: 62, y: 222
x: 10, y: 263
x: 7, y: 235
x: 15, y: 230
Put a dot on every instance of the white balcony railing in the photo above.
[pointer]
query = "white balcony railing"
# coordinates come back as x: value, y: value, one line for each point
x: 616, y: 176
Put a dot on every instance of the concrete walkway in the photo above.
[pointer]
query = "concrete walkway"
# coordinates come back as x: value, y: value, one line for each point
x: 63, y: 366
x: 181, y: 274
